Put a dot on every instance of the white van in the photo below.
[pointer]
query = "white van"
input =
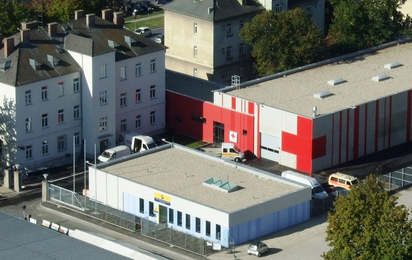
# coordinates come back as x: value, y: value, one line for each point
x: 114, y: 152
x: 317, y: 190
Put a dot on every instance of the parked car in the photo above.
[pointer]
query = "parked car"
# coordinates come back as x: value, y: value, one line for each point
x: 147, y: 5
x: 144, y: 31
x: 257, y: 249
x: 159, y: 38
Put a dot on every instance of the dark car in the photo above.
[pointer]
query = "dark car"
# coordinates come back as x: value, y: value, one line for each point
x: 257, y: 249
x: 149, y: 6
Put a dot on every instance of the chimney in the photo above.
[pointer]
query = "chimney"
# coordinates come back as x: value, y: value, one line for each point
x: 107, y: 14
x: 78, y: 14
x: 52, y: 29
x: 118, y: 19
x: 90, y: 20
x: 24, y: 35
x: 8, y: 46
x: 29, y: 25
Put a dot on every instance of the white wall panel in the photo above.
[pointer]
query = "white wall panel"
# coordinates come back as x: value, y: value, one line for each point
x: 322, y: 125
x: 399, y: 119
x: 362, y: 125
x: 289, y: 123
x: 370, y: 124
x: 288, y: 159
x: 381, y: 124
x: 227, y: 101
x: 350, y: 141
x: 343, y: 135
x: 270, y: 120
x: 336, y: 138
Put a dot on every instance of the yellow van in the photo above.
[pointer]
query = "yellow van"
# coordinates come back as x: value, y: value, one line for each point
x: 342, y: 180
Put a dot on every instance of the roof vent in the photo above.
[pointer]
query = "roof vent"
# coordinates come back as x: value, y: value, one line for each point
x: 113, y: 44
x: 392, y: 65
x: 129, y: 40
x: 381, y: 77
x: 35, y: 64
x: 5, y: 65
x: 53, y: 60
x: 221, y: 185
x: 323, y: 94
x: 337, y: 81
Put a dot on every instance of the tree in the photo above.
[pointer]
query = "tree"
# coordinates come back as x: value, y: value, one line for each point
x: 12, y: 13
x: 368, y: 224
x: 361, y: 24
x: 282, y: 41
x: 56, y: 10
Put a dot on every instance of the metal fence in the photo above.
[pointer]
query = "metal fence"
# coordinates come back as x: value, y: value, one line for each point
x: 175, y: 238
x: 92, y: 208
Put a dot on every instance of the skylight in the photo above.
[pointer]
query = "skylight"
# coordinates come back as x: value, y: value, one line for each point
x: 336, y: 81
x: 323, y: 94
x: 221, y: 185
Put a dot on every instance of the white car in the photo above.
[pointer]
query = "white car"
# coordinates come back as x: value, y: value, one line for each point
x: 257, y: 249
x: 144, y: 31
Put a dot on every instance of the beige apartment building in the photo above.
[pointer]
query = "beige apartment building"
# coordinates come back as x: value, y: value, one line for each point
x: 202, y: 38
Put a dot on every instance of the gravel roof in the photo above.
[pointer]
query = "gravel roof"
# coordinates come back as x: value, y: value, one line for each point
x: 295, y: 92
x: 181, y: 171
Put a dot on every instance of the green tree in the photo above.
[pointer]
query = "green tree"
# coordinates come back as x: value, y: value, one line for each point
x: 282, y: 41
x: 56, y: 10
x: 12, y: 13
x: 361, y: 24
x: 368, y: 224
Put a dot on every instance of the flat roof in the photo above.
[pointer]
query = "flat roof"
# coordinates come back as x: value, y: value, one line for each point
x: 295, y: 92
x: 181, y: 171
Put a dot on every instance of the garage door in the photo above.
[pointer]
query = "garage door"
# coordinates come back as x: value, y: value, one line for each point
x: 269, y: 147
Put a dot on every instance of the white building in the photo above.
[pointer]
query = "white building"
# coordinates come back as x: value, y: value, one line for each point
x: 204, y: 196
x: 87, y: 79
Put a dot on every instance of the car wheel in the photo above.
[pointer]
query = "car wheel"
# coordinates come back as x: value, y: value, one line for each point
x: 259, y: 254
x: 237, y: 159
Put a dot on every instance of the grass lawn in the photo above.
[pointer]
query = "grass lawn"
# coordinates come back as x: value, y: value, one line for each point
x: 156, y: 22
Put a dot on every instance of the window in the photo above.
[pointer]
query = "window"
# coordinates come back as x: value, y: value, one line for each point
x: 223, y: 27
x: 76, y: 138
x: 199, y: 119
x: 103, y: 123
x: 122, y: 99
x: 218, y: 232
x: 141, y: 205
x: 179, y: 218
x: 76, y: 85
x: 44, y: 93
x: 195, y: 51
x: 61, y: 143
x: 152, y: 117
x: 29, y: 152
x: 151, y: 209
x: 187, y: 221
x: 76, y: 112
x: 28, y: 97
x: 241, y: 24
x: 244, y: 132
x: 28, y: 124
x: 123, y: 125
x: 195, y: 28
x: 229, y: 52
x: 103, y: 97
x: 194, y: 72
x: 138, y: 70
x: 241, y: 49
x: 103, y: 70
x: 122, y: 72
x: 208, y: 228
x: 137, y: 96
x: 223, y: 50
x: 152, y: 91
x: 61, y: 89
x: 309, y: 8
x: 229, y: 29
x: 171, y: 216
x: 45, y: 147
x: 153, y: 66
x: 60, y: 116
x: 138, y: 122
x: 44, y: 121
x: 198, y: 225
x: 278, y: 8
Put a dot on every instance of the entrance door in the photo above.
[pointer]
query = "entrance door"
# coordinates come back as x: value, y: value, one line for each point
x: 218, y: 132
x: 162, y: 214
x: 104, y: 144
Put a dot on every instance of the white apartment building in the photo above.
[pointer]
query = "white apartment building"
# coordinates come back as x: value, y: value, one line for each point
x: 88, y: 79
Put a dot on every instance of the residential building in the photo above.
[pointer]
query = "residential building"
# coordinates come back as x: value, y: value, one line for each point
x: 206, y: 42
x: 77, y: 81
x: 309, y: 118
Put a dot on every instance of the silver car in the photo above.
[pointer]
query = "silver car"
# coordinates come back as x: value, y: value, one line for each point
x: 144, y: 31
x: 257, y: 249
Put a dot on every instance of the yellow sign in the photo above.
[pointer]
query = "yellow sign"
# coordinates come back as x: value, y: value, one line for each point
x: 162, y: 198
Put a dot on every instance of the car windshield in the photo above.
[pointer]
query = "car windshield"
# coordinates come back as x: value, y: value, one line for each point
x: 139, y: 30
x: 106, y: 155
x: 151, y: 145
x: 318, y: 189
x: 253, y: 247
x: 354, y: 182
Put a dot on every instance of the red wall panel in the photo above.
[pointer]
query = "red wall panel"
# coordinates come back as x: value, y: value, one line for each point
x: 233, y: 103
x: 251, y: 107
